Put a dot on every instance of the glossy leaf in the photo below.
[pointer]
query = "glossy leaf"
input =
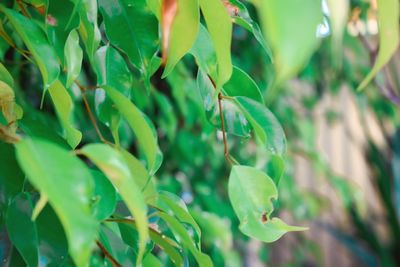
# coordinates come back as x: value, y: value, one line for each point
x: 36, y: 41
x: 241, y: 84
x: 73, y: 57
x: 114, y: 166
x: 219, y: 25
x: 133, y: 28
x: 290, y: 28
x: 64, y: 107
x: 251, y: 192
x: 141, y: 127
x: 389, y: 30
x: 181, y: 233
x: 266, y: 126
x: 21, y: 230
x: 73, y: 205
x: 111, y: 70
x: 242, y: 17
x: 185, y: 26
x: 105, y: 196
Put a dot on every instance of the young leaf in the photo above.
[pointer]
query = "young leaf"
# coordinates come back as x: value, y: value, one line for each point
x: 21, y: 230
x: 219, y: 24
x: 49, y: 168
x: 36, y: 41
x: 141, y: 127
x: 73, y: 57
x: 64, y: 107
x: 250, y: 192
x: 388, y: 21
x: 114, y: 166
x: 131, y: 26
x: 105, y: 196
x: 183, y: 32
x: 290, y: 27
x: 266, y: 126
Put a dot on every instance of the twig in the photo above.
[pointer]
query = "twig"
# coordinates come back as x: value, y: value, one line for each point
x: 221, y: 116
x: 90, y: 113
x: 114, y: 262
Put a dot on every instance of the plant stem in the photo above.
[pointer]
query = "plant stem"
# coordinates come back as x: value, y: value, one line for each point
x: 114, y: 262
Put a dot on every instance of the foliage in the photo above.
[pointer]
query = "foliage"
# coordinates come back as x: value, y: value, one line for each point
x: 121, y: 121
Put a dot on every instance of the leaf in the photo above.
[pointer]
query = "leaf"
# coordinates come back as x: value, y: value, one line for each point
x: 266, y: 126
x: 141, y: 127
x: 290, y: 28
x: 242, y: 17
x: 105, y: 196
x: 73, y: 57
x: 50, y: 168
x: 111, y: 70
x: 181, y: 233
x: 234, y: 119
x: 21, y: 230
x: 88, y: 28
x: 169, y: 10
x: 219, y: 25
x: 172, y: 204
x: 64, y: 107
x: 251, y: 192
x: 241, y: 84
x: 114, y: 166
x: 183, y: 31
x: 338, y: 15
x: 388, y: 22
x: 36, y: 41
x: 131, y: 27
x: 141, y: 177
x: 169, y: 246
x: 5, y: 76
x: 60, y: 22
x: 204, y: 52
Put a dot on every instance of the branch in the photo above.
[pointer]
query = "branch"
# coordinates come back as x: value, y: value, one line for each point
x: 107, y: 254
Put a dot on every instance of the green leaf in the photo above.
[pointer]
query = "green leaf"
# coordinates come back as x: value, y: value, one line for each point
x: 219, y: 25
x: 132, y: 27
x: 60, y: 21
x: 172, y: 204
x: 388, y: 22
x: 105, y: 196
x: 73, y: 57
x: 290, y: 27
x: 183, y: 33
x: 51, y: 168
x: 169, y: 246
x: 111, y: 70
x: 181, y: 233
x: 112, y: 163
x: 140, y: 125
x: 36, y: 41
x: 338, y: 15
x: 244, y: 19
x: 251, y: 192
x: 64, y: 107
x: 21, y: 230
x: 204, y: 52
x: 235, y: 121
x: 88, y: 28
x: 241, y: 84
x: 141, y: 177
x: 5, y: 76
x: 266, y: 126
